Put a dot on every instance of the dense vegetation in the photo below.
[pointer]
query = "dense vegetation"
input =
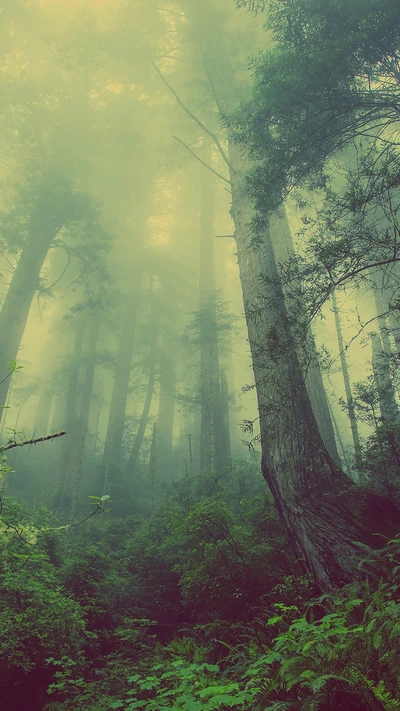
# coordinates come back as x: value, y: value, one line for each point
x: 199, y: 230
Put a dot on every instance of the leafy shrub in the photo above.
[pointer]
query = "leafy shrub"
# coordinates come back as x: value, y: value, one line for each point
x: 184, y: 687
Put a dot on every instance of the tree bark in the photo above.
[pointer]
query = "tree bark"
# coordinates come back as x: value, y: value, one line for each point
x: 284, y: 249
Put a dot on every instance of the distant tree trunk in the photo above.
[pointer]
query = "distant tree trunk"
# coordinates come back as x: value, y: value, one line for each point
x: 284, y: 249
x: 211, y: 454
x: 131, y: 465
x: 90, y: 363
x: 329, y: 538
x: 17, y: 304
x: 44, y: 409
x: 54, y: 205
x: 347, y: 386
x: 383, y: 328
x: 112, y: 454
x: 383, y: 381
x: 225, y: 430
x: 208, y: 327
x: 227, y: 375
x: 345, y: 458
x: 71, y: 403
x: 71, y: 419
x: 166, y: 409
x: 116, y: 421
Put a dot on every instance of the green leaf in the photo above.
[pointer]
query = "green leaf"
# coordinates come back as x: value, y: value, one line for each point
x: 134, y: 678
x: 377, y: 640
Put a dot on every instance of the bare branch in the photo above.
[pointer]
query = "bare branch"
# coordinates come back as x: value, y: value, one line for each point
x: 197, y: 120
x: 201, y: 161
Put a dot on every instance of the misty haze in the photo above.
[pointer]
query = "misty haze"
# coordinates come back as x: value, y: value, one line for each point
x: 199, y: 355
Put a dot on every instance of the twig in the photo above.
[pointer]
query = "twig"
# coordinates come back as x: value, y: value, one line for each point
x: 202, y: 161
x: 197, y: 120
x: 11, y: 445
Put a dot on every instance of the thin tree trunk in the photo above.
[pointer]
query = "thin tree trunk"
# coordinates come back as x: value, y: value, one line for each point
x: 71, y: 420
x: 211, y: 437
x: 131, y: 466
x: 207, y: 320
x: 91, y: 359
x: 112, y: 455
x: 116, y: 421
x: 383, y: 328
x: 383, y: 381
x: 166, y: 410
x: 82, y: 423
x: 347, y: 386
x: 44, y: 409
x: 225, y: 430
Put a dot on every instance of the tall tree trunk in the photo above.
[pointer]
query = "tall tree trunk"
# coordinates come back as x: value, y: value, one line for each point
x: 383, y: 381
x: 327, y: 536
x: 166, y: 409
x: 90, y: 363
x: 112, y: 455
x: 131, y: 466
x: 116, y: 421
x: 78, y: 454
x: 71, y: 419
x: 44, y: 409
x: 383, y: 328
x: 284, y: 249
x: 17, y: 304
x: 211, y: 454
x: 347, y: 386
x: 208, y: 327
x: 225, y: 430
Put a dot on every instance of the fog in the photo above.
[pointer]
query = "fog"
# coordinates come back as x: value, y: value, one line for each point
x: 112, y: 155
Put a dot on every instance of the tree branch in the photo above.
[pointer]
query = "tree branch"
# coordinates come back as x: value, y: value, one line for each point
x: 197, y: 120
x: 201, y: 161
x: 11, y: 445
